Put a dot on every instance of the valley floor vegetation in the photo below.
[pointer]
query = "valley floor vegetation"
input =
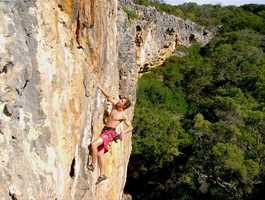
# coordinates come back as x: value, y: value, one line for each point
x: 200, y: 119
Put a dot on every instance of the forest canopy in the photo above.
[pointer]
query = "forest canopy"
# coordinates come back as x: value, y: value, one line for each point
x: 200, y: 119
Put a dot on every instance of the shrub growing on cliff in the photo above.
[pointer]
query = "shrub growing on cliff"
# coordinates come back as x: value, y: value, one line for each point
x: 130, y: 13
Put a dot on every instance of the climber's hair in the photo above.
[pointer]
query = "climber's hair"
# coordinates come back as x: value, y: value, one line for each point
x: 128, y: 102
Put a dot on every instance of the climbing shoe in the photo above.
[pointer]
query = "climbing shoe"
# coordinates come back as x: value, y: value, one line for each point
x: 101, y: 178
x: 90, y: 167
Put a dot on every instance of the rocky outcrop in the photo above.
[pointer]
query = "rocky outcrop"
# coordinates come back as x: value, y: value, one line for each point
x: 147, y: 39
x: 52, y: 53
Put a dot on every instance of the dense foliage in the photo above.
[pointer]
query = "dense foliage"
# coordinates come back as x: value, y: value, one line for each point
x: 131, y: 14
x: 230, y: 17
x: 200, y: 119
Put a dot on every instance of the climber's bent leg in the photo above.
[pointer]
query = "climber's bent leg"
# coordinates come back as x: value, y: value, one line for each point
x: 95, y: 145
x: 102, y: 176
x: 101, y: 162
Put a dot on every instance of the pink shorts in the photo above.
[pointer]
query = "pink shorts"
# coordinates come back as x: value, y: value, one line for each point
x: 108, y: 134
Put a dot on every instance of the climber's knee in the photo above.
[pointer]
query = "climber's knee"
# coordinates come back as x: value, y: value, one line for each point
x: 94, y: 146
x: 96, y: 143
x: 101, y: 153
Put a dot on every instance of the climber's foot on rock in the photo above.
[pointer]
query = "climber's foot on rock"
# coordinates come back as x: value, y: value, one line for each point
x: 90, y: 167
x: 101, y: 178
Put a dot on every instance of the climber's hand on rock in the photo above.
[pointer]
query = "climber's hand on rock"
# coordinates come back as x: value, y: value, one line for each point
x: 110, y: 98
x: 98, y: 85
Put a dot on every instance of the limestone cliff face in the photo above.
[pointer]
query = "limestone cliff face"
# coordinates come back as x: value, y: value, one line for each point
x: 52, y: 53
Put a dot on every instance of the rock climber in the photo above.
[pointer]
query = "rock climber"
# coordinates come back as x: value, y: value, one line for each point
x: 108, y: 134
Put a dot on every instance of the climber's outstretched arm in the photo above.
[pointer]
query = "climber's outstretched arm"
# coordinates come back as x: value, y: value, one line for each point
x: 129, y: 126
x: 128, y: 129
x: 110, y: 98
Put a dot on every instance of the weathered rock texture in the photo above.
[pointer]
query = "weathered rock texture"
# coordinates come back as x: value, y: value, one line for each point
x: 52, y: 53
x: 147, y: 40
